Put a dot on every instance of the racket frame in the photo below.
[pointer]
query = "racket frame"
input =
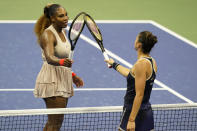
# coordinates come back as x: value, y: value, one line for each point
x: 99, y: 42
x: 74, y: 42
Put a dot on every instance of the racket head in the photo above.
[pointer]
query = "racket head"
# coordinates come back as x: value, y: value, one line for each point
x: 93, y: 28
x: 76, y: 28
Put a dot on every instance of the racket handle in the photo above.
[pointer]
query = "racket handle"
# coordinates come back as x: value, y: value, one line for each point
x: 106, y: 58
x: 71, y: 55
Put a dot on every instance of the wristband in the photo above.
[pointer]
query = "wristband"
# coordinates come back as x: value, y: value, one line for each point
x: 115, y: 65
x: 61, y: 62
x: 73, y: 74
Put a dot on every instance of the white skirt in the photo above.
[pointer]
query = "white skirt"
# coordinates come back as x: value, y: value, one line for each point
x: 54, y: 81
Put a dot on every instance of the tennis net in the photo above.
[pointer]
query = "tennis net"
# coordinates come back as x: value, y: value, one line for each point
x: 167, y: 117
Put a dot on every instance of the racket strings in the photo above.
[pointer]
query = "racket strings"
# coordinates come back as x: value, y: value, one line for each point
x: 93, y: 27
x: 77, y: 26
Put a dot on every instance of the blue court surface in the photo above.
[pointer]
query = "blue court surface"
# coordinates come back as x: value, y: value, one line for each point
x: 21, y: 61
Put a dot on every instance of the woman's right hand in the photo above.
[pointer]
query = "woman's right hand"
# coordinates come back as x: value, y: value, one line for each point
x: 68, y: 62
x: 110, y: 61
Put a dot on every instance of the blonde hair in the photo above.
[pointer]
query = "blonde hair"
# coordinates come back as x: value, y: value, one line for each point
x: 42, y: 23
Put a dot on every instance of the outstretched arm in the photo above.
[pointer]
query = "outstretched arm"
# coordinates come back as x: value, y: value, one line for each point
x: 119, y: 68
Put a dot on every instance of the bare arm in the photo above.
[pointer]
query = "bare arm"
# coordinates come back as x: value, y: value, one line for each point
x: 121, y: 69
x: 48, y: 41
x: 140, y: 80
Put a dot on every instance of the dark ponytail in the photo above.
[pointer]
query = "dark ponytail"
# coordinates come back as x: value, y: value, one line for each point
x: 51, y: 10
x: 46, y: 12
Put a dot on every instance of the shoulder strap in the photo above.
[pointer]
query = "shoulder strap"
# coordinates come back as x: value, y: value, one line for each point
x: 51, y: 28
x: 150, y: 59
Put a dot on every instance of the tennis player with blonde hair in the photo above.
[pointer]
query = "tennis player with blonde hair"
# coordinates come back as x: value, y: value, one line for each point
x: 54, y: 81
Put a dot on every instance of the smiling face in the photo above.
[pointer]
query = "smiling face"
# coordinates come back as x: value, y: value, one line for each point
x: 60, y: 18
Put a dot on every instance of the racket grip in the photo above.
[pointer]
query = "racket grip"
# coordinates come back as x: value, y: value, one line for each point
x: 71, y: 55
x: 106, y: 58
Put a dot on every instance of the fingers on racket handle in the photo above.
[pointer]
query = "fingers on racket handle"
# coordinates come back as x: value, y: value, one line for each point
x: 71, y: 54
x: 106, y: 58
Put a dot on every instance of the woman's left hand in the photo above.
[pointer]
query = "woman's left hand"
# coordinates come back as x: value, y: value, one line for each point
x: 77, y: 81
x: 131, y: 126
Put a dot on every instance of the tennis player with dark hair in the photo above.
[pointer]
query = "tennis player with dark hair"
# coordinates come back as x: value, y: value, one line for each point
x: 54, y: 81
x: 137, y: 112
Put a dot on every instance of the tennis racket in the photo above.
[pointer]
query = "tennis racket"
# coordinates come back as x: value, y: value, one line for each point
x: 94, y: 30
x: 75, y: 30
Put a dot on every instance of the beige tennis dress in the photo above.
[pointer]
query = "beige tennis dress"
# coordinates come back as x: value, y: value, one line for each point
x: 55, y: 80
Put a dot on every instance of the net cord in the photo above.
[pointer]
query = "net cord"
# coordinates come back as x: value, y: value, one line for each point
x: 89, y: 109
